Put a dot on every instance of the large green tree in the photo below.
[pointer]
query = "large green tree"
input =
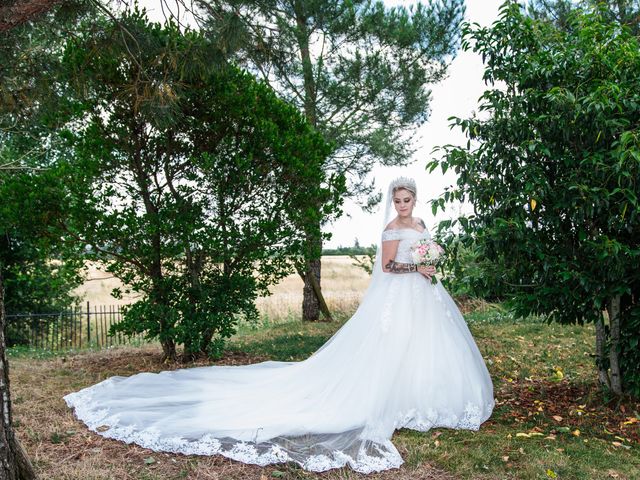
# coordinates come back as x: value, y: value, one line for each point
x: 358, y: 70
x: 192, y: 181
x: 31, y: 195
x: 552, y: 172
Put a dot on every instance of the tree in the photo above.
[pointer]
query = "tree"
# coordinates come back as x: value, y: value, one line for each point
x: 624, y: 12
x: 39, y: 271
x: 31, y: 198
x: 359, y: 72
x: 189, y: 179
x: 551, y: 170
x: 14, y: 463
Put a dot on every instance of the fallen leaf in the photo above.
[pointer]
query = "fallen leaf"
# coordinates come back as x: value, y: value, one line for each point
x: 576, y: 433
x: 618, y: 444
x: 551, y: 473
x: 557, y: 418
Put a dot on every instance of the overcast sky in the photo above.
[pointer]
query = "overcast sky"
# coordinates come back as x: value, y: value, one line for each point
x: 457, y: 95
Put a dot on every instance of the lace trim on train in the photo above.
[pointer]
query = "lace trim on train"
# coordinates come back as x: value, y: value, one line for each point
x: 99, y: 421
x: 471, y: 419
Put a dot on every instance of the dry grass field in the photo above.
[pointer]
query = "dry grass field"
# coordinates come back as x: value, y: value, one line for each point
x: 342, y: 283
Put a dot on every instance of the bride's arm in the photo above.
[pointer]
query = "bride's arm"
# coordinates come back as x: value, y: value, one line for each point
x: 398, y: 267
x: 389, y: 265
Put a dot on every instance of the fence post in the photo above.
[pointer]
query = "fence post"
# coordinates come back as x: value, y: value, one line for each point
x: 88, y: 326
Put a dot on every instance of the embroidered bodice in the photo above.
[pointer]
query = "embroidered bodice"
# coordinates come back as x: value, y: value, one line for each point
x: 407, y: 237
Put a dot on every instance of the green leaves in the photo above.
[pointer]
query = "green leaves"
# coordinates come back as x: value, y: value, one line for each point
x: 551, y: 166
x: 359, y: 70
x: 197, y: 188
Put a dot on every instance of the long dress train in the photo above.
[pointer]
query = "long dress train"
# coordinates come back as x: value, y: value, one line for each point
x: 406, y: 359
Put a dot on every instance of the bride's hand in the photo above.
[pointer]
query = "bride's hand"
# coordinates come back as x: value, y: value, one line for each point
x: 427, y: 271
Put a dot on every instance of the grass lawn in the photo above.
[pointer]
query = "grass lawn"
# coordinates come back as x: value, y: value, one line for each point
x: 550, y: 421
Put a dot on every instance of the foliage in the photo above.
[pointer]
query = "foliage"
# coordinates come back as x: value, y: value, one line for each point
x: 352, y: 250
x: 624, y: 12
x: 189, y: 179
x: 551, y: 169
x: 466, y: 272
x: 358, y: 70
x: 39, y: 270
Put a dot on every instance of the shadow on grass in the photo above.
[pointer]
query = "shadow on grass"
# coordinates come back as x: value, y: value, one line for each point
x: 287, y: 347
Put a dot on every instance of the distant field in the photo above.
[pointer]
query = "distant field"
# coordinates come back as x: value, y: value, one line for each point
x: 343, y: 285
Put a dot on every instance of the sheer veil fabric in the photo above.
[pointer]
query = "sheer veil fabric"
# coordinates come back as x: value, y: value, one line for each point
x: 405, y: 359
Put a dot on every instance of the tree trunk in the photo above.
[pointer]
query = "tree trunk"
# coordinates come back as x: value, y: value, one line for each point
x: 168, y: 351
x: 310, y: 303
x: 601, y: 341
x: 14, y: 463
x: 312, y: 300
x: 324, y: 308
x: 614, y: 348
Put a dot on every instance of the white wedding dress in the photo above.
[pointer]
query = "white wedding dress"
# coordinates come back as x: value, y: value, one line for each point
x: 406, y: 359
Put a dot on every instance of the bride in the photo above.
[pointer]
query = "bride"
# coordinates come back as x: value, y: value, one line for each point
x: 405, y: 359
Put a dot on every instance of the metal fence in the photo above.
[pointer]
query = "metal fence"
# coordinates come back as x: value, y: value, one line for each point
x: 83, y: 327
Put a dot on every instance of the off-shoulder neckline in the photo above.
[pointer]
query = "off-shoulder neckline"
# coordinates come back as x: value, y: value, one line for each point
x: 404, y: 228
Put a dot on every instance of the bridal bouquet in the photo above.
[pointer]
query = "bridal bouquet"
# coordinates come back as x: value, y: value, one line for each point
x: 427, y: 252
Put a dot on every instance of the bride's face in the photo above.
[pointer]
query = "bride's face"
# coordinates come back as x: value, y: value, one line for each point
x: 403, y: 202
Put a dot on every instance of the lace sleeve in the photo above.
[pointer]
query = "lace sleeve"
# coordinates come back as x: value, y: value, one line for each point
x: 390, y: 234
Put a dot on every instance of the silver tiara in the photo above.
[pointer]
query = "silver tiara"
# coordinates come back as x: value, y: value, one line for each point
x: 403, y: 182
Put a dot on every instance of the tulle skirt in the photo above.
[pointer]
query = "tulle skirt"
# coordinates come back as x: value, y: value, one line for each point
x: 406, y: 359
